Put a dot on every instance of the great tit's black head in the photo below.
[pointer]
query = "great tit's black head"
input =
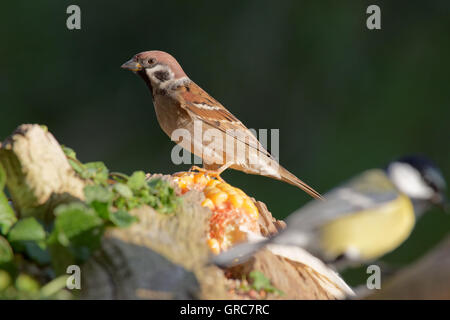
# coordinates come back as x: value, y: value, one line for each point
x: 419, y: 178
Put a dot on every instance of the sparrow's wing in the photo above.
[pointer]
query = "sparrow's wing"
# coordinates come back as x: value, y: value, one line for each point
x: 202, y: 106
x: 368, y: 190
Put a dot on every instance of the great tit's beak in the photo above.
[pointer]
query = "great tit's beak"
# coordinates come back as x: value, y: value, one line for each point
x: 442, y: 203
x: 132, y: 65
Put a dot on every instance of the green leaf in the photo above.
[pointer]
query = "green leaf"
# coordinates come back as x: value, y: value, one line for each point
x: 69, y: 152
x: 54, y: 286
x: 37, y: 251
x: 61, y: 256
x: 7, y: 215
x: 2, y: 177
x: 122, y: 218
x: 6, y: 253
x: 44, y: 127
x: 28, y: 229
x: 119, y: 177
x: 5, y: 280
x: 261, y: 282
x: 26, y: 283
x: 123, y: 190
x: 96, y: 171
x: 28, y: 236
x: 73, y: 161
x: 78, y: 167
x: 97, y: 193
x: 99, y: 198
x: 137, y: 180
x: 166, y: 201
x: 76, y: 224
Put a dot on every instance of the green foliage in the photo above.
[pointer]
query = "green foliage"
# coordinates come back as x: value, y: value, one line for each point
x: 6, y: 253
x: 260, y: 282
x: 77, y: 228
x: 24, y: 286
x: 166, y: 201
x: 122, y: 191
x: 122, y: 218
x: 27, y: 229
x: 28, y: 236
x: 7, y: 216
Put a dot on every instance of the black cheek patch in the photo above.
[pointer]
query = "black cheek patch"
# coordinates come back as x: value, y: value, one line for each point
x: 162, y: 75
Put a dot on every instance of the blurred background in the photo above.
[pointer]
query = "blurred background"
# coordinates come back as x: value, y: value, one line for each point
x: 345, y: 98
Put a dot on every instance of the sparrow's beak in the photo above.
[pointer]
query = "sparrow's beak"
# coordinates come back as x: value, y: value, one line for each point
x: 132, y: 65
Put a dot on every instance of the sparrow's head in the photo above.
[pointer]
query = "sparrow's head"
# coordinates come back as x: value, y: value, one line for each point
x: 156, y: 67
x: 419, y: 178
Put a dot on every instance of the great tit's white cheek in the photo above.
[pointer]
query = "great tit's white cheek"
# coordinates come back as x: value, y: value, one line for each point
x: 409, y: 181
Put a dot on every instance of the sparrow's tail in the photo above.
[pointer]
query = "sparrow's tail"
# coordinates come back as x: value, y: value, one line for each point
x: 288, y: 177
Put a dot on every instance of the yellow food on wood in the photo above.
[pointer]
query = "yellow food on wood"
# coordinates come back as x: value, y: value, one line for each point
x: 234, y: 212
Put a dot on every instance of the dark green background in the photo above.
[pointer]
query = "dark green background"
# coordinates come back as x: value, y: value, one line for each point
x: 344, y: 98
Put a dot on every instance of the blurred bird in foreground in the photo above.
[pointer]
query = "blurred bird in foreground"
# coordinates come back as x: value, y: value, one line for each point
x: 181, y: 104
x: 361, y: 220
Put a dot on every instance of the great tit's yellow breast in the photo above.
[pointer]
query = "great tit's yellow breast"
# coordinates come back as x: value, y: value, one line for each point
x: 371, y: 233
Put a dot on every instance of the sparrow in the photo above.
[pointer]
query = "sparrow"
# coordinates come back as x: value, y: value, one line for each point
x: 182, y: 107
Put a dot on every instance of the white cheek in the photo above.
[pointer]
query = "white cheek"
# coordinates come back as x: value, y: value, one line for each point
x: 409, y: 181
x: 149, y: 73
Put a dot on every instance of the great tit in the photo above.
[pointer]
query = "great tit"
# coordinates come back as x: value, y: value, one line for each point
x: 360, y: 220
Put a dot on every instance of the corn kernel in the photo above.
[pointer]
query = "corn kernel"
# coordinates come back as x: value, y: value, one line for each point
x: 218, y: 198
x: 182, y: 185
x: 236, y: 200
x: 212, y: 195
x: 212, y: 183
x: 231, y: 207
x: 210, y: 189
x: 214, y: 245
x: 223, y: 186
x: 200, y: 179
x: 188, y: 180
x: 227, y: 188
x: 250, y: 207
x: 208, y: 203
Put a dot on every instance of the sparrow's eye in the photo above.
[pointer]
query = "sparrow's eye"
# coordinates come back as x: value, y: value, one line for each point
x: 151, y: 61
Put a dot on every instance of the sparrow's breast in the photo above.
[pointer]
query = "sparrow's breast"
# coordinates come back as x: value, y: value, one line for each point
x: 170, y: 115
x: 183, y: 130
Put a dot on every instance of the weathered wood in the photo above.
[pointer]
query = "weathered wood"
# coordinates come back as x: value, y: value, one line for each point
x: 161, y: 256
x: 429, y: 278
x: 39, y: 177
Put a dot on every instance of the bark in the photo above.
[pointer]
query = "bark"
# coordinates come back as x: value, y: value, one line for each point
x: 39, y: 176
x: 429, y: 278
